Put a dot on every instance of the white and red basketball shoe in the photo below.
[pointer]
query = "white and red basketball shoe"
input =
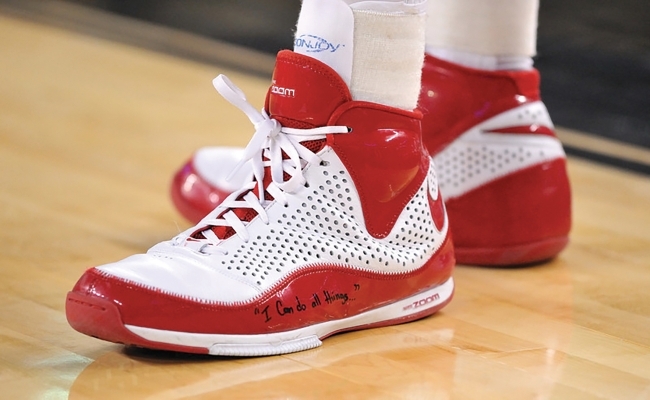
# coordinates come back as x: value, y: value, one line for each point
x: 502, y: 170
x: 341, y: 228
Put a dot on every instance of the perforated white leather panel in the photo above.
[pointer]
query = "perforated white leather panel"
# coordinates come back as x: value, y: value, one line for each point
x: 478, y: 157
x: 325, y: 225
x: 322, y: 224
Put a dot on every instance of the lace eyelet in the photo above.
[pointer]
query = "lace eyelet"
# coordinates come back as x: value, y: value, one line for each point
x: 324, y: 163
x: 350, y: 129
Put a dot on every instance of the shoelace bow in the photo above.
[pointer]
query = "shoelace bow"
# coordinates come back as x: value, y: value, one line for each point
x: 273, y: 146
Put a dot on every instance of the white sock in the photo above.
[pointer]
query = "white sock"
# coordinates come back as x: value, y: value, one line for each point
x: 325, y: 31
x: 484, y: 34
x: 377, y: 47
x: 481, y: 61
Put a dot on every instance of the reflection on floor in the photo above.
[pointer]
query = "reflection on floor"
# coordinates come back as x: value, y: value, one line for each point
x: 91, y: 131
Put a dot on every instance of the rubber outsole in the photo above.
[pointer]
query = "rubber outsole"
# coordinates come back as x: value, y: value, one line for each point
x: 100, y: 318
x: 512, y: 256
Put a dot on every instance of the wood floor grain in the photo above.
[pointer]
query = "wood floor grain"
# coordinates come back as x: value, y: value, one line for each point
x: 90, y: 134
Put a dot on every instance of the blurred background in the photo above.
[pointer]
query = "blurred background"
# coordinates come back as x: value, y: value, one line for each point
x: 594, y: 55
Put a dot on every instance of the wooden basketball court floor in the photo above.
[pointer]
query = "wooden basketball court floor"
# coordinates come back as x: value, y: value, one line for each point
x: 90, y: 134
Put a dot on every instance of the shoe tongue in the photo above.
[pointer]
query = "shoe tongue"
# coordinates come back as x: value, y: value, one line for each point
x: 304, y: 92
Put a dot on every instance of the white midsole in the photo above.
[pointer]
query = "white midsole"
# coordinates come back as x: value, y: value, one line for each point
x: 411, y: 305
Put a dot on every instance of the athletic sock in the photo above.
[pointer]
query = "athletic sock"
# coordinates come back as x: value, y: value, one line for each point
x: 483, y: 34
x: 377, y: 47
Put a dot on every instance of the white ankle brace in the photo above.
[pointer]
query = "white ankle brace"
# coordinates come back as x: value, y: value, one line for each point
x: 486, y: 34
x: 377, y: 47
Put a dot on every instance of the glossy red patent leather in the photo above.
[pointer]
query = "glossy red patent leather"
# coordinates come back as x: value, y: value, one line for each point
x: 526, y: 129
x: 383, y: 153
x: 520, y: 218
x: 454, y: 98
x: 517, y: 211
x: 192, y: 195
x: 311, y: 91
x: 385, y: 158
x: 325, y: 293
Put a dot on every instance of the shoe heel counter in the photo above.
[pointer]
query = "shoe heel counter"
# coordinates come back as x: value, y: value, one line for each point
x: 520, y: 218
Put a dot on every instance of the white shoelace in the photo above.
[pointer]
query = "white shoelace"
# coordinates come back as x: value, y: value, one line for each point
x: 265, y: 149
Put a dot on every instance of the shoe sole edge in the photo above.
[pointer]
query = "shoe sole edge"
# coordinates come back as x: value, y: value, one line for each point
x: 100, y: 318
x: 514, y: 255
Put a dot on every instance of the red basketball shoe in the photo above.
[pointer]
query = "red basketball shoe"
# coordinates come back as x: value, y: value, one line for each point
x: 341, y: 228
x: 502, y: 170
